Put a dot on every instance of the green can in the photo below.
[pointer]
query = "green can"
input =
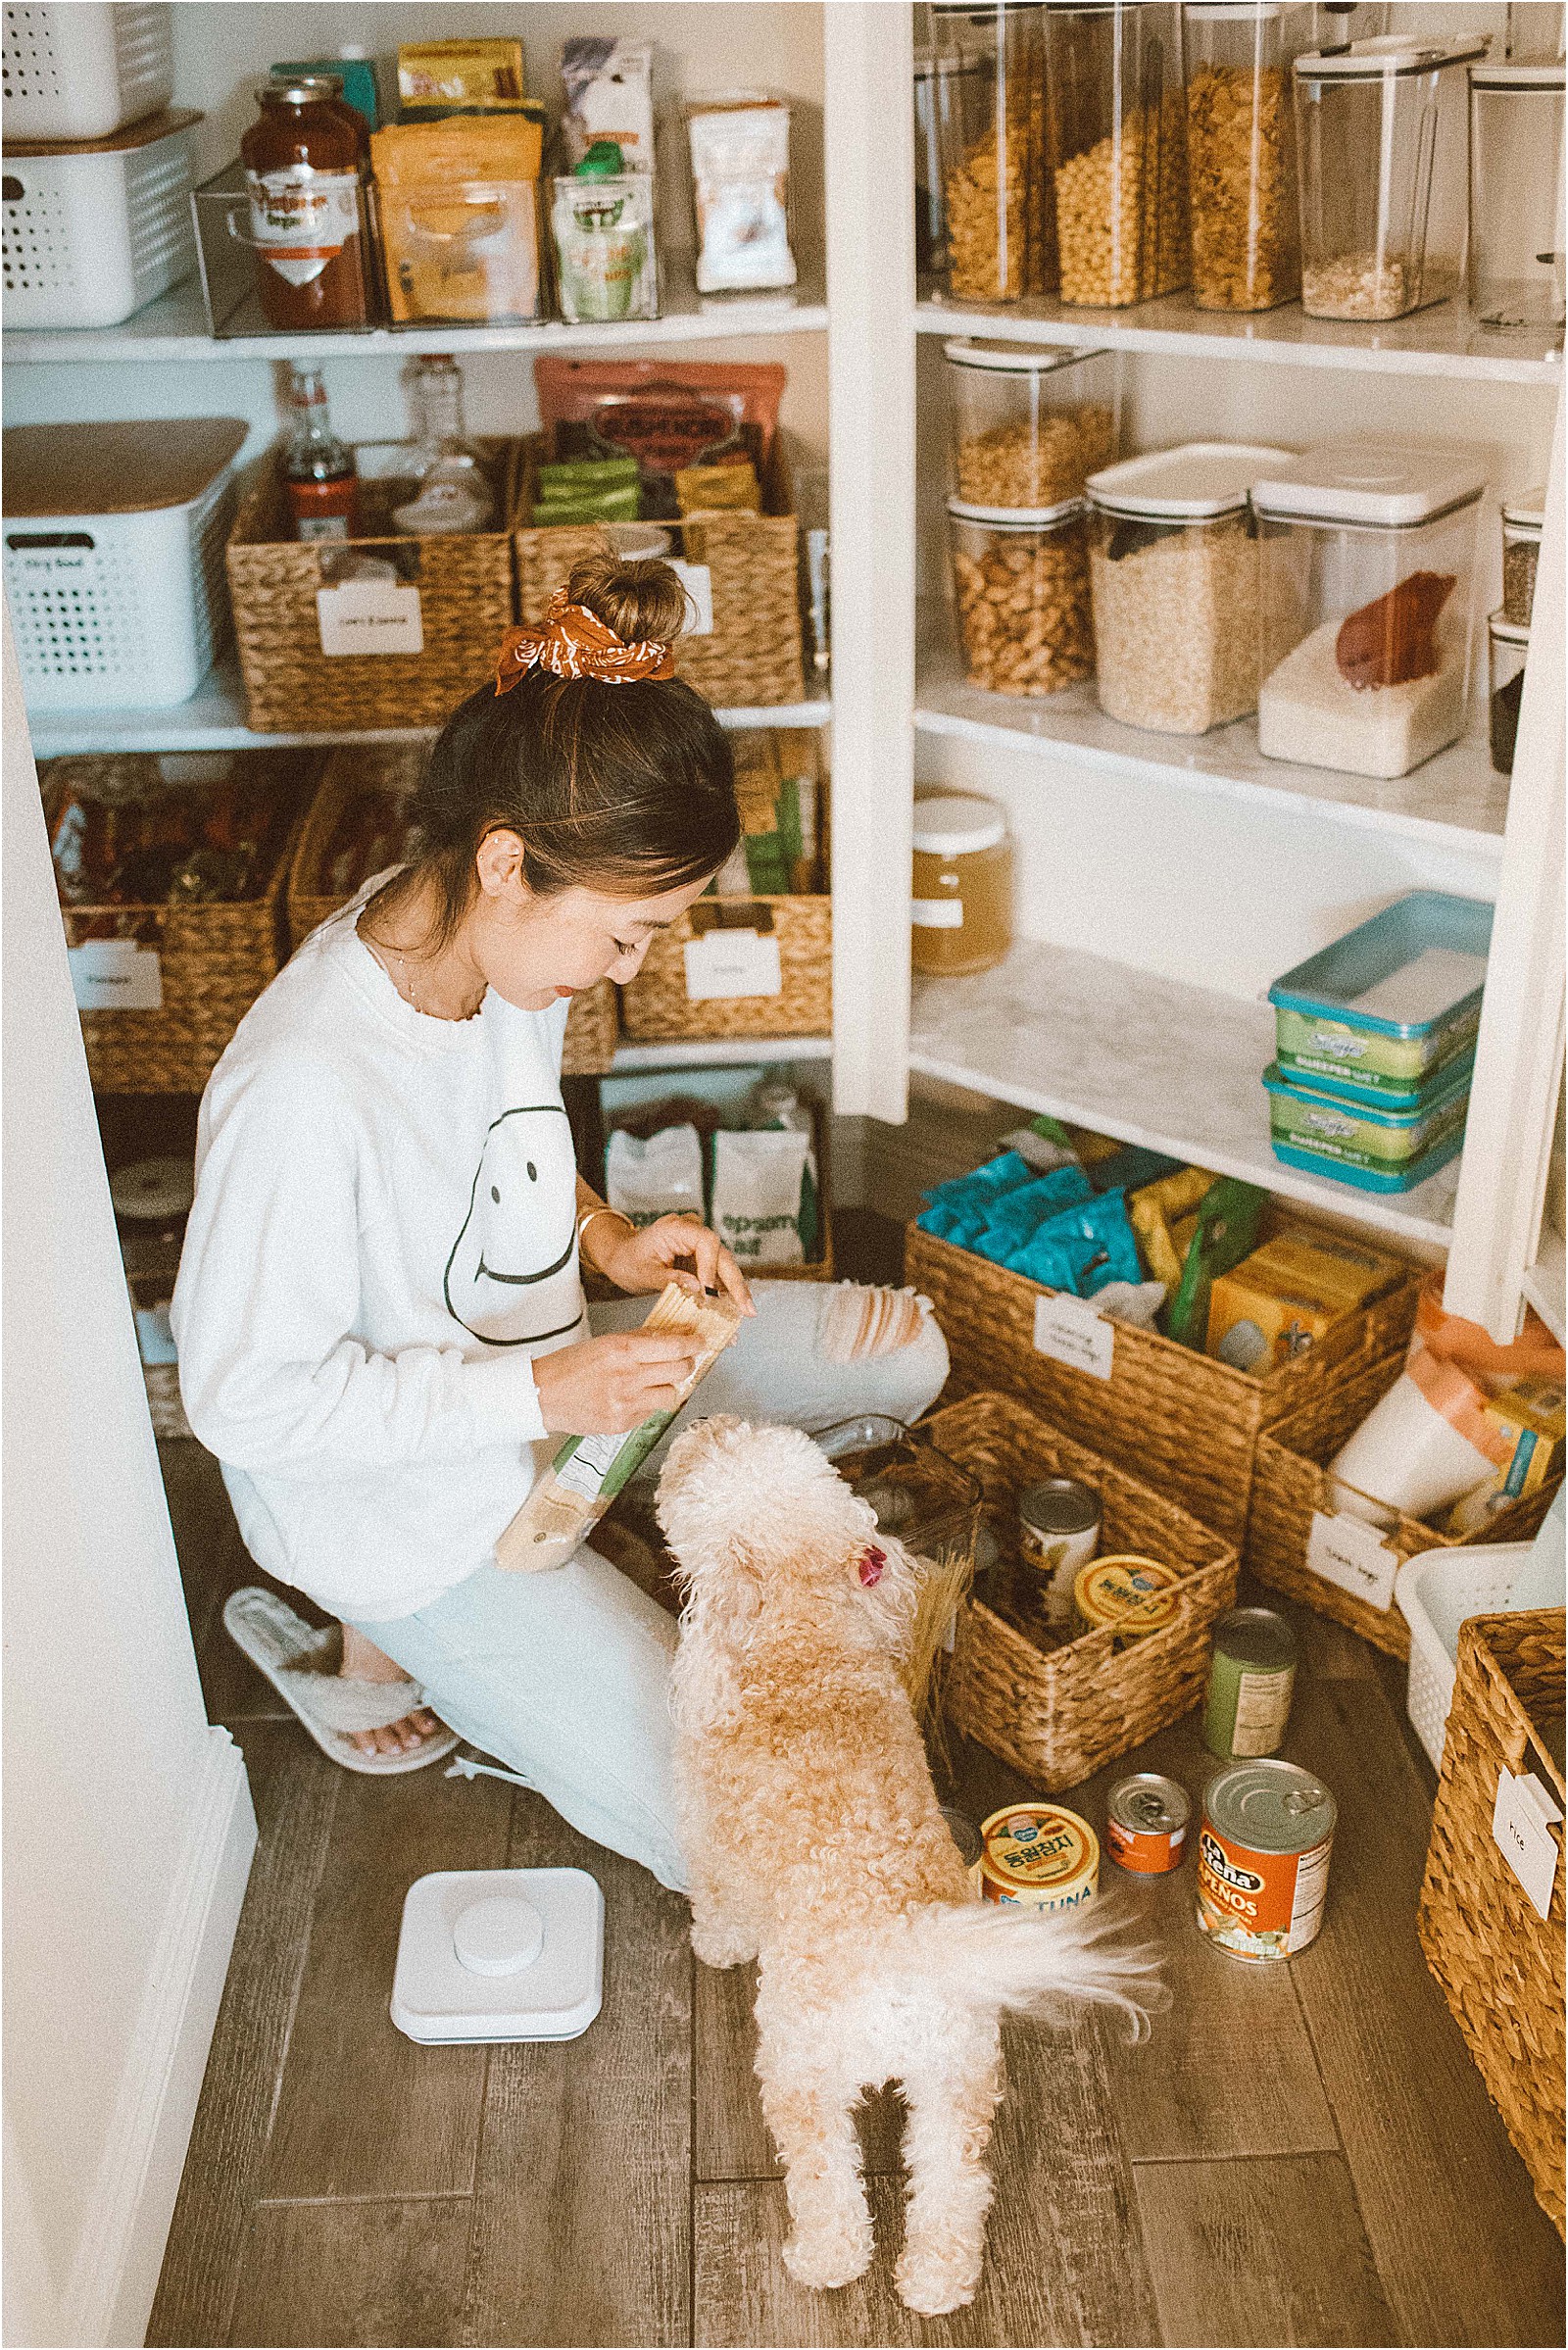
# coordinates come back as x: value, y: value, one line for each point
x: 1249, y: 1683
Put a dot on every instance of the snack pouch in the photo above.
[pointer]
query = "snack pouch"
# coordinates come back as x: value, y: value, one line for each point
x: 1019, y: 1213
x: 997, y: 1175
x: 660, y: 1177
x: 1228, y: 1221
x: 607, y: 89
x: 1083, y: 1249
x: 759, y: 1185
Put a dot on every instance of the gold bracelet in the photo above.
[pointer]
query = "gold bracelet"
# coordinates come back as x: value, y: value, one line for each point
x: 586, y: 1218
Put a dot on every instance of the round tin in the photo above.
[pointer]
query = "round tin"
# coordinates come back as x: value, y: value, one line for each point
x: 1263, y: 1858
x: 1250, y: 1678
x: 1146, y: 1824
x: 1130, y: 1595
x: 1058, y: 1532
x: 1037, y: 1856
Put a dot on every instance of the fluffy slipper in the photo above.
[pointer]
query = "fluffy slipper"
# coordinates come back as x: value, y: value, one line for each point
x: 299, y: 1663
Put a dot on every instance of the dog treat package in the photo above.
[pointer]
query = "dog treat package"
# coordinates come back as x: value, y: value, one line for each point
x: 661, y: 1176
x: 589, y: 1471
x: 759, y: 1191
x: 740, y: 187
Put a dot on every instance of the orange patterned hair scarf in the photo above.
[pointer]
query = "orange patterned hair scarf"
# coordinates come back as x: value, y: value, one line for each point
x: 571, y: 642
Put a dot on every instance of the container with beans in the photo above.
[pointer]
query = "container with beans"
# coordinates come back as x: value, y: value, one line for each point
x: 989, y: 82
x: 1027, y: 427
x: 1509, y: 649
x: 1020, y: 584
x: 1117, y: 133
x: 1521, y: 521
x: 1241, y: 152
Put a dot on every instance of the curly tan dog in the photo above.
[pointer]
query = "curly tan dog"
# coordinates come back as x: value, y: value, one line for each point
x: 816, y: 1843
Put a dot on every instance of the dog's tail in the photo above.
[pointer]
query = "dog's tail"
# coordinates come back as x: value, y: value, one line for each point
x: 1040, y: 1965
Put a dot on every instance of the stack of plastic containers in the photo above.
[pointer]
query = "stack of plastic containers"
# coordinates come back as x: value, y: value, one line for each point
x: 1375, y: 1038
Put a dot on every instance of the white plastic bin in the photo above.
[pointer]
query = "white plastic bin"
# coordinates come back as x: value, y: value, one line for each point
x: 82, y: 71
x: 114, y: 558
x: 1436, y: 1591
x: 92, y: 233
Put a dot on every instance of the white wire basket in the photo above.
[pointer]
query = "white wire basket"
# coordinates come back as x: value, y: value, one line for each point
x: 1436, y: 1591
x: 93, y: 233
x: 82, y: 71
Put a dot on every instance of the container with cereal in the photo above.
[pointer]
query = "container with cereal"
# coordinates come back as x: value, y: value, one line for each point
x: 1020, y: 584
x: 1037, y: 1856
x: 1117, y: 131
x: 989, y: 67
x: 1241, y: 152
x: 1263, y: 1859
x: 1174, y: 571
x: 1028, y: 427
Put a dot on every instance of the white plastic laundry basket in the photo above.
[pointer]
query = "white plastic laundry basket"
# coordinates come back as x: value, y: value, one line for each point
x: 92, y: 233
x: 1436, y: 1591
x: 81, y: 70
x: 117, y: 602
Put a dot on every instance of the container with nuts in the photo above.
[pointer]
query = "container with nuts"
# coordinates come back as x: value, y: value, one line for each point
x: 1020, y: 582
x: 990, y: 74
x: 1117, y: 138
x: 1028, y: 427
x: 1241, y: 152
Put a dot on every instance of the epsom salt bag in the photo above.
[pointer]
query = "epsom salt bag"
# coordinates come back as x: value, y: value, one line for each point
x: 660, y: 1177
x: 759, y: 1180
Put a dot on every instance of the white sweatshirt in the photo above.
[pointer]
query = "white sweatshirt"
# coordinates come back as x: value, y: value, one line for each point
x: 384, y: 1234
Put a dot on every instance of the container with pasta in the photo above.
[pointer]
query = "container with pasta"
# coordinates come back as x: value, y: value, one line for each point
x: 1117, y: 149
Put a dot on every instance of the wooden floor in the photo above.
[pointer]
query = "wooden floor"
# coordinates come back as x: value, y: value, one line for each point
x: 1303, y: 2154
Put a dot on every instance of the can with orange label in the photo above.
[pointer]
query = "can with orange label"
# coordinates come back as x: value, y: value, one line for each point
x: 1146, y: 1824
x: 1263, y: 1859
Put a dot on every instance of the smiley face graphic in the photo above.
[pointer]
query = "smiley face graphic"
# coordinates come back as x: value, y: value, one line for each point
x: 511, y: 1278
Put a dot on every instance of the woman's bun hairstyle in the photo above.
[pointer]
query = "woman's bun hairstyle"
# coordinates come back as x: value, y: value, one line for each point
x: 644, y: 603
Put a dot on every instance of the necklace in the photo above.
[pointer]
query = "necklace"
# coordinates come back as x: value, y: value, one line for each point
x: 405, y: 985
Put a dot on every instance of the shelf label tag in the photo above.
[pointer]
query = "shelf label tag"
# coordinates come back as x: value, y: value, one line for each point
x: 1070, y: 1332
x: 1521, y: 1829
x: 1346, y: 1550
x: 732, y: 962
x: 370, y: 616
x: 937, y: 914
x: 698, y: 581
x: 116, y: 975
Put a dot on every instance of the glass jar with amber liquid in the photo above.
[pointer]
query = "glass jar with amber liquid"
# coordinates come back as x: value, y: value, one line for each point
x: 961, y: 903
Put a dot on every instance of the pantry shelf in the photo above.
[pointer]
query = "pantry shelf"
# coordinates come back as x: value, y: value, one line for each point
x: 1544, y: 1285
x: 1441, y: 341
x: 721, y: 1051
x: 1148, y: 1059
x: 1453, y: 800
x: 214, y: 719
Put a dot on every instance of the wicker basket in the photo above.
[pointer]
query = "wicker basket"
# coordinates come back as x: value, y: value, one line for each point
x: 656, y: 1005
x: 1500, y: 1963
x: 592, y: 1024
x: 1059, y: 1714
x: 1184, y: 1421
x: 215, y: 959
x: 1290, y: 1484
x: 466, y: 606
x: 752, y: 656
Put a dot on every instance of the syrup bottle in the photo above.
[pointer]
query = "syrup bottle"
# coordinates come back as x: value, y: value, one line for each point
x: 319, y: 476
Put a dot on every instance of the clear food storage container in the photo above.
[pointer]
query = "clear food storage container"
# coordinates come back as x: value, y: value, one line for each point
x: 1522, y: 522
x: 930, y: 200
x: 1388, y: 1014
x: 84, y: 69
x: 1241, y: 152
x: 1381, y: 137
x: 991, y: 72
x: 1516, y: 194
x: 1028, y: 427
x: 1508, y: 648
x: 93, y: 232
x: 1368, y: 561
x: 1173, y: 566
x: 961, y: 903
x: 1117, y: 122
x: 1020, y: 584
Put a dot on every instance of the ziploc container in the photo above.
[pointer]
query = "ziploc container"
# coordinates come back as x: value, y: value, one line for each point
x: 1388, y: 1013
x: 1377, y: 1149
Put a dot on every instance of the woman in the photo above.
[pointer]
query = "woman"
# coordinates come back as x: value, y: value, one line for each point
x: 379, y: 1314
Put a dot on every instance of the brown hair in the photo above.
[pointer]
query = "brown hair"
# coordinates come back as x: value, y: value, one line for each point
x: 628, y: 789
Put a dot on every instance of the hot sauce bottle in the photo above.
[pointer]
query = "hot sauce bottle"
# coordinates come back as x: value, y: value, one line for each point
x: 319, y: 476
x: 304, y: 159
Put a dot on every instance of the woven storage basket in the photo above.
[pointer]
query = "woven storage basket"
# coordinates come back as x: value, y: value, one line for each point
x: 466, y: 606
x: 1500, y: 1963
x: 215, y: 959
x: 356, y: 768
x: 1183, y: 1422
x: 1290, y: 1484
x: 656, y: 1005
x: 1059, y: 1714
x: 752, y: 656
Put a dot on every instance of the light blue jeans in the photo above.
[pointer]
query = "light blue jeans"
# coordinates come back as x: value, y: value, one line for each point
x: 565, y: 1677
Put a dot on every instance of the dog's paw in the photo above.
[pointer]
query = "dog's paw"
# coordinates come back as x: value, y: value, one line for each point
x: 933, y: 2282
x: 828, y: 2258
x: 721, y: 1946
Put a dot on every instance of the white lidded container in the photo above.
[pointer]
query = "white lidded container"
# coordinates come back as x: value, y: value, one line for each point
x: 95, y: 231
x: 114, y: 558
x: 1026, y: 426
x: 84, y: 69
x: 1173, y: 570
x: 1366, y: 611
x: 1516, y: 193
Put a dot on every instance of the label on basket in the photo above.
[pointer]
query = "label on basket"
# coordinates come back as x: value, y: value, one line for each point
x: 116, y: 975
x: 1346, y: 1550
x: 698, y: 581
x: 1521, y: 1829
x: 370, y: 616
x: 732, y: 962
x: 1070, y: 1332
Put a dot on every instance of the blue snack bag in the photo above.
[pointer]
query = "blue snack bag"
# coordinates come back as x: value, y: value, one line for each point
x: 1083, y: 1249
x: 1017, y: 1214
x: 997, y: 1175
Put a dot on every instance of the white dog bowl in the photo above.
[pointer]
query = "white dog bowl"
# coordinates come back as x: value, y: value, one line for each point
x: 499, y: 1954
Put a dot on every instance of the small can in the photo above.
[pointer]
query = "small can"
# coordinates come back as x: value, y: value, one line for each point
x: 1249, y: 1683
x: 1037, y: 1856
x: 1058, y: 1532
x: 1131, y: 1595
x: 1263, y: 1859
x: 1146, y: 1824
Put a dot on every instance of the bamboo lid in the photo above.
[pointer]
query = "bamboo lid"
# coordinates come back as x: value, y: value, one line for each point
x: 119, y: 143
x: 53, y: 469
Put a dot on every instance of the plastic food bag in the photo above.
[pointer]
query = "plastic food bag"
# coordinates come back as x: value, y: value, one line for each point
x: 760, y: 1183
x: 1228, y: 1222
x: 1019, y: 1213
x: 606, y: 86
x: 660, y: 1177
x: 740, y: 150
x: 602, y: 220
x: 1083, y: 1249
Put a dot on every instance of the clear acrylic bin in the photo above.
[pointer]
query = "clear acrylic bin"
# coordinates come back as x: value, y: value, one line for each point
x: 1117, y: 124
x: 989, y: 67
x: 1381, y: 136
x: 1241, y: 152
x: 1027, y: 427
x: 1516, y: 195
x: 1021, y: 589
x: 461, y: 252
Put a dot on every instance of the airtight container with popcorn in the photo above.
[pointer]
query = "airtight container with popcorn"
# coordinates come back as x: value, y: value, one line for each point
x: 1020, y: 585
x: 1117, y: 127
x: 1174, y: 576
x: 1241, y: 152
x: 1027, y: 427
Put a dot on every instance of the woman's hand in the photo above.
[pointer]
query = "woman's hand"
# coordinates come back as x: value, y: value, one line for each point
x: 641, y: 1261
x: 609, y: 1386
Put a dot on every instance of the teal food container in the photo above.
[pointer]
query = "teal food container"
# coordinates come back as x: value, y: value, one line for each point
x: 1379, y: 1149
x: 1388, y: 1016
